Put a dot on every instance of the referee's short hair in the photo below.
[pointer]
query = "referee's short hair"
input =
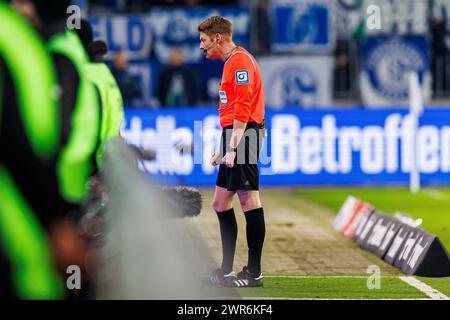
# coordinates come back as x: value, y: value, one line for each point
x: 217, y: 24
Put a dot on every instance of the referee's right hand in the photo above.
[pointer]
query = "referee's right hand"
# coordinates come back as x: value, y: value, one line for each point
x: 214, y: 157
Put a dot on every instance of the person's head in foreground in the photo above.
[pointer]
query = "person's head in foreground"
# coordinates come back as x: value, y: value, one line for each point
x: 216, y: 37
x: 42, y: 12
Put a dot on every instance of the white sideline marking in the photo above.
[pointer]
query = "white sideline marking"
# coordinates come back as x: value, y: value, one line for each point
x: 428, y: 290
x: 282, y: 298
x: 412, y: 281
x: 320, y: 277
x: 435, y: 194
x: 290, y: 298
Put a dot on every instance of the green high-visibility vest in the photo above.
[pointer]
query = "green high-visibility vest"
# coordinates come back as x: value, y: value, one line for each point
x: 1, y: 95
x: 112, y: 104
x: 22, y: 236
x: 77, y: 157
x: 25, y: 244
x: 36, y: 89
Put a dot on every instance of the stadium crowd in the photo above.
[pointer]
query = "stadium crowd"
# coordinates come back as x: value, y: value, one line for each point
x: 347, y: 51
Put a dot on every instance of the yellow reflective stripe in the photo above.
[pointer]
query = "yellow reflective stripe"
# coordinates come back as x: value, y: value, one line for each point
x: 1, y: 96
x: 25, y: 244
x: 112, y: 104
x: 35, y: 81
x: 77, y: 156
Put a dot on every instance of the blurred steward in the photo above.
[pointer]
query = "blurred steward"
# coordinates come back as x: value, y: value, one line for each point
x: 129, y: 86
x: 30, y: 203
x: 103, y: 80
x: 440, y: 32
x: 178, y: 83
x: 80, y: 104
x: 80, y: 121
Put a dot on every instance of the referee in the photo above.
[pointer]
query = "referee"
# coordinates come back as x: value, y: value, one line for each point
x: 241, y: 110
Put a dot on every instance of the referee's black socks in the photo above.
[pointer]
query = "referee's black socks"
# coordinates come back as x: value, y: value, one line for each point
x: 228, y: 233
x: 256, y: 231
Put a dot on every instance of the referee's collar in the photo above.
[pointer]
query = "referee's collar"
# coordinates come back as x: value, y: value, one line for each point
x: 226, y: 60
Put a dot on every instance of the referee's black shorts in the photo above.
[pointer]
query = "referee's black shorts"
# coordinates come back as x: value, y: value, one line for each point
x: 245, y: 174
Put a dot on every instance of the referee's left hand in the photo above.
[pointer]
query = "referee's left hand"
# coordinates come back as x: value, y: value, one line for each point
x: 228, y: 159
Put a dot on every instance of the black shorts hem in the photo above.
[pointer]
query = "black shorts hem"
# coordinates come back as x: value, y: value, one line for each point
x: 232, y: 188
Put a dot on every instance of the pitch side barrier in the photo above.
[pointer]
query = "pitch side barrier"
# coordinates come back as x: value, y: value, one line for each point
x: 411, y: 249
x: 148, y: 253
x: 304, y: 147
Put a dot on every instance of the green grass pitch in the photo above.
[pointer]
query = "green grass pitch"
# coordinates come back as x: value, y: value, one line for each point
x: 430, y: 204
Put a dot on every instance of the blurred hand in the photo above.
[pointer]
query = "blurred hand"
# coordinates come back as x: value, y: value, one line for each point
x: 214, y: 157
x: 69, y: 248
x: 228, y: 159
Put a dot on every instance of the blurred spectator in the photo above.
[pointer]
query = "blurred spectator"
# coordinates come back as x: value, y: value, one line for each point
x: 219, y: 2
x: 260, y: 38
x: 117, y: 5
x: 129, y: 86
x: 342, y: 75
x: 178, y: 84
x: 143, y: 5
x: 440, y: 57
x: 192, y: 3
